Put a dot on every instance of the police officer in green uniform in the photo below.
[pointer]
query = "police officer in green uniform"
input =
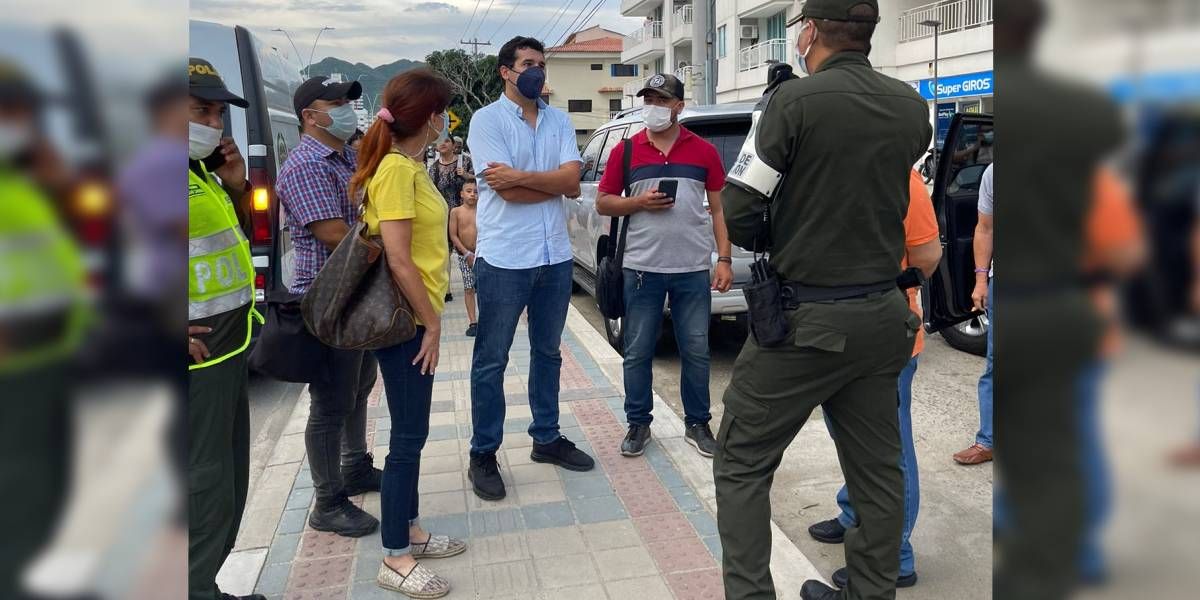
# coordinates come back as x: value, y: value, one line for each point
x: 43, y: 313
x: 830, y: 155
x: 220, y: 310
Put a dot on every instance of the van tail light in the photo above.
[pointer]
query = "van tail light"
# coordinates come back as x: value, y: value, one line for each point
x: 260, y: 288
x: 260, y: 207
x: 91, y: 210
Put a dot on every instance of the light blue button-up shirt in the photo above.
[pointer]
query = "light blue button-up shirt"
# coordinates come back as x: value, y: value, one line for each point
x: 517, y: 235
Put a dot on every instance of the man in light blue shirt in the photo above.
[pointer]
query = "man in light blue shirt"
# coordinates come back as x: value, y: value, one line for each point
x: 526, y: 160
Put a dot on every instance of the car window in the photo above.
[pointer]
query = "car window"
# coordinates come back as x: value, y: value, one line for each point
x: 591, y: 153
x: 970, y: 156
x: 614, y: 137
x: 727, y: 135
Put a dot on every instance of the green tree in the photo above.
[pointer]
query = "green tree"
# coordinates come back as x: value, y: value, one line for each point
x: 476, y: 81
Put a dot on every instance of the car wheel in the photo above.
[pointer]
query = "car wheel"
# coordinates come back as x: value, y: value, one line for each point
x: 968, y: 336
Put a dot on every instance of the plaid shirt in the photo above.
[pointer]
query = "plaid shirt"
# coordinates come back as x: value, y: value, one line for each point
x: 313, y: 186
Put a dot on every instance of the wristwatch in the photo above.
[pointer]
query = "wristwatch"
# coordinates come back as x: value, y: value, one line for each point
x: 725, y: 259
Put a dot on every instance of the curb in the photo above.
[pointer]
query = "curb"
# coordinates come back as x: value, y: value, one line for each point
x: 790, y: 568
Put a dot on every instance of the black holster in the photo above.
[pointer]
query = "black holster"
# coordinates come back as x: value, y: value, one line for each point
x: 764, y: 302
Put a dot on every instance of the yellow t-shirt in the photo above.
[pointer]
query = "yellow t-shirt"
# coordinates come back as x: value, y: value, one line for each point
x: 401, y: 190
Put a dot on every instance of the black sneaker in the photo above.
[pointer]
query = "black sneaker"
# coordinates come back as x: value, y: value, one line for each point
x: 344, y: 519
x: 700, y: 436
x: 250, y: 597
x: 472, y: 329
x: 815, y: 590
x: 485, y: 476
x: 563, y: 453
x: 828, y: 532
x: 841, y: 577
x: 635, y: 441
x: 363, y: 477
x: 449, y: 296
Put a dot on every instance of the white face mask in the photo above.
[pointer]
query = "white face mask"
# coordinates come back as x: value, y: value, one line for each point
x: 14, y: 139
x: 657, y: 118
x: 202, y: 140
x: 343, y: 121
x: 801, y: 55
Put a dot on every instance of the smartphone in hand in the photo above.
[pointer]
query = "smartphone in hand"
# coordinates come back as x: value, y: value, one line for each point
x: 670, y: 187
x: 214, y: 161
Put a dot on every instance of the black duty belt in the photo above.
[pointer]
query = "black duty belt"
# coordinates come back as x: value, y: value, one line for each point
x: 794, y: 294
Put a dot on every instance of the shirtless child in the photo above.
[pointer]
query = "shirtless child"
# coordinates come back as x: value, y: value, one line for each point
x: 463, y: 235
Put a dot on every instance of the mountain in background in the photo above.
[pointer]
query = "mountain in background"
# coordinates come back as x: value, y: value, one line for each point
x: 373, y: 79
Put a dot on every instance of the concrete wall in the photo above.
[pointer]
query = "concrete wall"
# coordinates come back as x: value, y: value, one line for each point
x: 571, y: 78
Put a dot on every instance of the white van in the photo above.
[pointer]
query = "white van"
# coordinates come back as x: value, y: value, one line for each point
x: 265, y: 132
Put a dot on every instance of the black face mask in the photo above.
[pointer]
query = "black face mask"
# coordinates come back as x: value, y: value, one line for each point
x: 530, y: 82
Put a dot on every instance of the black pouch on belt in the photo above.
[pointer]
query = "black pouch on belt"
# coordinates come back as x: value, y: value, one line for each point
x: 764, y: 302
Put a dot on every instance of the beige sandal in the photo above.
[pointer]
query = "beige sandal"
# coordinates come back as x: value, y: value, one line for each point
x: 438, y: 546
x: 420, y: 583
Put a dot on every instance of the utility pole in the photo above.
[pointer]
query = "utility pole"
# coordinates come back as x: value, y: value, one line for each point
x: 476, y: 43
x: 700, y: 72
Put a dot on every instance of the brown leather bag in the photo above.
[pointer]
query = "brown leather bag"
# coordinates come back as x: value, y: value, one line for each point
x: 354, y: 303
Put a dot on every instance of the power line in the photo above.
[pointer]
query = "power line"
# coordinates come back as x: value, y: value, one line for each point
x: 510, y: 14
x: 561, y: 10
x: 550, y: 33
x: 469, y: 21
x: 570, y: 28
x: 483, y: 18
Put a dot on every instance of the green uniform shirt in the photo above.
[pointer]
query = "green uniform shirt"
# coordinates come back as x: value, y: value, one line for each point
x: 846, y: 137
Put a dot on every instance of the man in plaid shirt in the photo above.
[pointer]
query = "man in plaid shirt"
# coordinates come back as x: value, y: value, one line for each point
x: 313, y: 186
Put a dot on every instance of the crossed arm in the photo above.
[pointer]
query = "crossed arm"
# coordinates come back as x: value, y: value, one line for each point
x: 529, y: 186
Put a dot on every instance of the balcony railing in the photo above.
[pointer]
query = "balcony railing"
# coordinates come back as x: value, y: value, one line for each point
x: 682, y: 16
x: 955, y: 15
x: 649, y: 31
x: 763, y: 53
x: 684, y: 74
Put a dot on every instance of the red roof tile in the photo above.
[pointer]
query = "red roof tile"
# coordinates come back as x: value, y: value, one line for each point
x: 608, y: 44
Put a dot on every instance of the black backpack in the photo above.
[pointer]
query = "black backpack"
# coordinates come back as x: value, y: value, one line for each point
x: 610, y: 279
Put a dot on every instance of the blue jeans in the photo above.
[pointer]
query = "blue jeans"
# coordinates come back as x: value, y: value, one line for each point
x: 408, y: 396
x: 908, y: 466
x: 503, y: 295
x: 984, y: 436
x: 1097, y: 487
x: 690, y: 296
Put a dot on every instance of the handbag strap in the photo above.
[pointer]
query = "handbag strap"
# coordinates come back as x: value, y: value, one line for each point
x: 618, y: 253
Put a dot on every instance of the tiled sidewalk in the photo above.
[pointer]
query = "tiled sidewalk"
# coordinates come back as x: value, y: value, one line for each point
x: 631, y: 528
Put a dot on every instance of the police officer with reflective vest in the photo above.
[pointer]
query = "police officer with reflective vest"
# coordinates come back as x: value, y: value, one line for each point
x: 220, y: 311
x: 822, y: 184
x: 43, y: 311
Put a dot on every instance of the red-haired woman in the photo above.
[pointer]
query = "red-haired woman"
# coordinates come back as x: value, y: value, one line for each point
x: 407, y: 211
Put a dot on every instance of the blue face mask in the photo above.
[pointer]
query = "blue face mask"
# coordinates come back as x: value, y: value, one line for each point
x: 530, y: 82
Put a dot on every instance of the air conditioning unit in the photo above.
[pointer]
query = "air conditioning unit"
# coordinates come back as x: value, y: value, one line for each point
x: 749, y: 32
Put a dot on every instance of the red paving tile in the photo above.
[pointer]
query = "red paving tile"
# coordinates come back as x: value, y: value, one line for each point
x: 657, y: 528
x: 338, y: 593
x: 606, y: 445
x: 321, y: 574
x: 321, y: 544
x: 631, y: 483
x: 602, y: 429
x: 621, y: 464
x: 684, y: 554
x: 652, y: 502
x: 697, y: 585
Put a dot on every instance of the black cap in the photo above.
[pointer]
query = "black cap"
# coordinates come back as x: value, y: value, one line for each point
x: 321, y: 88
x: 667, y: 85
x: 205, y: 83
x: 16, y: 87
x: 835, y: 10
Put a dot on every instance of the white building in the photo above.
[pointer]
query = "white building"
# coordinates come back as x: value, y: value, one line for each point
x: 585, y: 77
x: 749, y: 35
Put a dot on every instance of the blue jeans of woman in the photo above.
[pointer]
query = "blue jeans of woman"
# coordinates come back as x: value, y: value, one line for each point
x: 409, y: 394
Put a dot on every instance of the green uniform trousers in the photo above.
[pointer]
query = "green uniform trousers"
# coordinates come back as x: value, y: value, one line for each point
x: 844, y: 356
x: 218, y: 469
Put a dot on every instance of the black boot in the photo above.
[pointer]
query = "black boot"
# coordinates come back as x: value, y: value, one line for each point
x: 815, y: 590
x: 563, y: 453
x: 363, y: 477
x: 344, y: 519
x: 485, y: 476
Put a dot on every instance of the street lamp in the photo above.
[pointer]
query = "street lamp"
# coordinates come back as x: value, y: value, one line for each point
x: 936, y: 25
x: 306, y: 69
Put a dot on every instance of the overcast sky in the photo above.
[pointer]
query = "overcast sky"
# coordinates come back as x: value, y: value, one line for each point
x: 376, y: 32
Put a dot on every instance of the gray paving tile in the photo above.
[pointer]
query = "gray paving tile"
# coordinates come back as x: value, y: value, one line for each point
x: 293, y: 521
x: 371, y: 591
x: 595, y: 510
x: 443, y: 432
x: 438, y: 406
x: 517, y: 425
x: 704, y: 523
x: 714, y: 546
x: 668, y: 474
x: 565, y: 421
x: 543, y: 516
x: 300, y: 498
x: 366, y: 568
x: 273, y: 579
x: 593, y: 486
x: 464, y: 431
x: 455, y: 526
x: 617, y: 404
x: 686, y: 499
x: 493, y: 522
x: 303, y: 479
x: 573, y: 433
x: 283, y: 548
